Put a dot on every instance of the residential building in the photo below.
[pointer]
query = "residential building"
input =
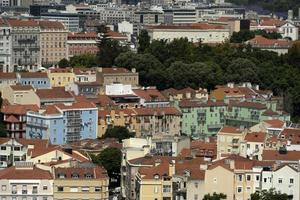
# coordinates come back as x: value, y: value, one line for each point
x: 63, y: 123
x: 24, y: 181
x: 289, y: 30
x: 229, y: 140
x: 61, y: 77
x: 253, y: 145
x: 180, y: 16
x: 280, y: 46
x: 185, y: 93
x: 197, y: 32
x: 54, y: 95
x: 53, y: 38
x: 88, y: 89
x: 20, y: 94
x: 5, y: 43
x: 81, y: 43
x: 14, y: 118
x: 106, y: 76
x: 70, y: 20
x: 85, y: 74
x: 25, y: 36
x: 149, y: 17
x: 7, y: 78
x: 85, y: 181
x: 151, y: 97
x: 291, y: 135
x: 38, y: 80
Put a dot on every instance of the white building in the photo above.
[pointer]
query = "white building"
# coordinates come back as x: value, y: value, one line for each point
x: 118, y: 89
x: 289, y: 30
x: 205, y: 33
x: 11, y: 150
x: 253, y: 145
x: 126, y: 28
x: 70, y: 20
x: 5, y: 47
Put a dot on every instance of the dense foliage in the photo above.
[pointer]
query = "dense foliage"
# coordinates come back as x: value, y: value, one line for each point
x: 245, y: 35
x: 118, y: 132
x: 214, y: 196
x: 269, y: 195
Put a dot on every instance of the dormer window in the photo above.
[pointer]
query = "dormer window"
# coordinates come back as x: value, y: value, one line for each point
x: 156, y: 176
x: 75, y: 175
x: 88, y: 176
x: 61, y: 176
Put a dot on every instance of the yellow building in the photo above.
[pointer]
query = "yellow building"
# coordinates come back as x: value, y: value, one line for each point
x: 61, y: 77
x: 53, y: 42
x: 81, y: 182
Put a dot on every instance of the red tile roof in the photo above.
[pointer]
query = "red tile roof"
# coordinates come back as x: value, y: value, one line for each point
x: 12, y: 119
x: 54, y: 93
x: 267, y: 21
x: 22, y: 23
x: 8, y: 75
x: 21, y: 174
x: 92, y: 35
x: 149, y: 94
x: 19, y: 109
x: 246, y: 104
x: 275, y: 123
x: 95, y: 172
x: 21, y: 87
x: 291, y: 134
x: 102, y: 101
x: 61, y: 70
x: 200, y: 26
x: 265, y: 42
x: 231, y: 130
x: 256, y: 137
x: 274, y: 155
x: 51, y: 25
x: 270, y: 112
x: 51, y: 110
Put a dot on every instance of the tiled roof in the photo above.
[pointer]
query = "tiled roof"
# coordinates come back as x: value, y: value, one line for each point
x: 246, y: 104
x: 102, y: 101
x: 271, y: 22
x: 270, y: 112
x: 230, y: 130
x: 77, y: 105
x: 265, y: 42
x: 116, y: 35
x: 21, y: 174
x: 12, y: 119
x: 149, y: 94
x: 84, y: 71
x: 256, y: 137
x: 22, y: 23
x: 33, y: 75
x: 275, y: 123
x: 240, y: 163
x: 291, y: 134
x: 21, y: 87
x: 19, y: 109
x: 8, y: 75
x: 51, y: 109
x: 81, y: 172
x: 54, y: 93
x: 51, y: 25
x: 82, y: 35
x: 2, y: 139
x: 274, y: 155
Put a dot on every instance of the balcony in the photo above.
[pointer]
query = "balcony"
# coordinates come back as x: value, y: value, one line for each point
x: 24, y: 191
x: 36, y: 124
x: 14, y: 192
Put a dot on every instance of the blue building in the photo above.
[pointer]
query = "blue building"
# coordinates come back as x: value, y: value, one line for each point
x: 38, y: 80
x: 62, y: 124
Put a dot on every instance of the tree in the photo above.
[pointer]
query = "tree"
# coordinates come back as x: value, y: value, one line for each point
x: 242, y: 36
x: 215, y: 196
x: 118, y: 132
x: 63, y: 63
x: 3, y: 131
x: 294, y: 55
x: 269, y: 195
x: 84, y: 60
x: 144, y: 41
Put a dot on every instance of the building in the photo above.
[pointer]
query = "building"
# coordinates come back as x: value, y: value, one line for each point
x: 253, y: 145
x: 107, y: 76
x: 7, y: 78
x: 53, y: 38
x: 289, y: 30
x: 86, y: 181
x: 63, y: 123
x: 180, y: 16
x: 5, y: 42
x: 14, y: 118
x: 61, y: 77
x: 88, y: 89
x: 278, y: 46
x: 38, y: 80
x: 84, y: 75
x: 148, y: 17
x: 20, y: 94
x: 25, y: 36
x: 24, y: 181
x: 54, y: 95
x: 229, y: 140
x: 81, y: 43
x: 151, y: 97
x: 70, y: 20
x: 197, y: 32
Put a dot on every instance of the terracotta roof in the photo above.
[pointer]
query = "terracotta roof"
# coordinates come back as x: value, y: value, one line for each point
x: 240, y: 163
x: 84, y: 71
x: 73, y: 36
x: 76, y: 105
x: 157, y: 111
x: 12, y: 119
x: 19, y: 109
x: 102, y: 101
x: 231, y: 130
x: 274, y: 155
x: 256, y: 137
x: 2, y: 139
x: 21, y: 87
x: 271, y: 22
x: 8, y: 75
x: 265, y: 42
x: 51, y: 109
x: 54, y: 93
x: 33, y: 75
x: 51, y: 25
x: 149, y: 94
x: 275, y: 123
x: 22, y: 23
x: 270, y: 112
x: 201, y: 26
x: 192, y: 166
x: 291, y: 134
x: 81, y: 172
x: 116, y: 35
x: 21, y: 173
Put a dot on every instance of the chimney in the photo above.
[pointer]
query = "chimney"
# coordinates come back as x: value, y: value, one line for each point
x: 172, y: 168
x: 231, y: 164
x: 133, y: 70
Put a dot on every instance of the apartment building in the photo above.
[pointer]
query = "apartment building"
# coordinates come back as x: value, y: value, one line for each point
x: 53, y: 38
x: 25, y: 38
x: 37, y: 80
x: 24, y: 180
x: 253, y: 145
x: 14, y: 118
x: 20, y: 94
x: 85, y: 75
x: 54, y: 95
x: 61, y: 77
x: 180, y: 16
x: 5, y: 44
x: 7, y: 78
x: 85, y: 181
x: 70, y: 20
x: 63, y: 123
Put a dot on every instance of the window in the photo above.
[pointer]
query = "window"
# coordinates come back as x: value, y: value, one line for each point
x: 45, y: 187
x: 85, y: 189
x: 196, y: 185
x: 44, y: 198
x: 167, y: 188
x: 60, y: 189
x: 215, y: 180
x: 3, y: 148
x: 98, y: 189
x: 73, y: 189
x: 3, y: 188
x: 24, y: 189
x: 17, y: 148
x: 248, y: 189
x: 14, y: 189
x: 257, y: 177
x: 291, y: 181
x: 75, y: 176
x: 196, y: 197
x: 248, y: 177
x: 34, y: 190
x: 155, y: 189
x: 265, y: 180
x: 240, y: 177
x: 280, y: 180
x: 239, y: 189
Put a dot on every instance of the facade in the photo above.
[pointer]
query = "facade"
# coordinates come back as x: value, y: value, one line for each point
x: 7, y: 78
x: 83, y: 182
x: 5, y: 43
x: 20, y: 94
x: 88, y: 89
x: 70, y: 20
x: 53, y: 38
x: 54, y: 95
x: 25, y: 36
x: 148, y: 17
x: 61, y: 77
x: 24, y: 181
x: 253, y: 145
x: 38, y: 80
x: 197, y: 32
x: 180, y: 16
x: 289, y: 30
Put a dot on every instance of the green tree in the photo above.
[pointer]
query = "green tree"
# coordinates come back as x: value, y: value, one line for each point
x: 143, y: 41
x: 294, y: 55
x: 214, y: 196
x: 84, y: 60
x: 118, y: 132
x: 63, y: 63
x: 241, y: 36
x: 269, y: 195
x: 3, y: 131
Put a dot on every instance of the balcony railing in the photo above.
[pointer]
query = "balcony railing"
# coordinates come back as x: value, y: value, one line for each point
x: 36, y: 124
